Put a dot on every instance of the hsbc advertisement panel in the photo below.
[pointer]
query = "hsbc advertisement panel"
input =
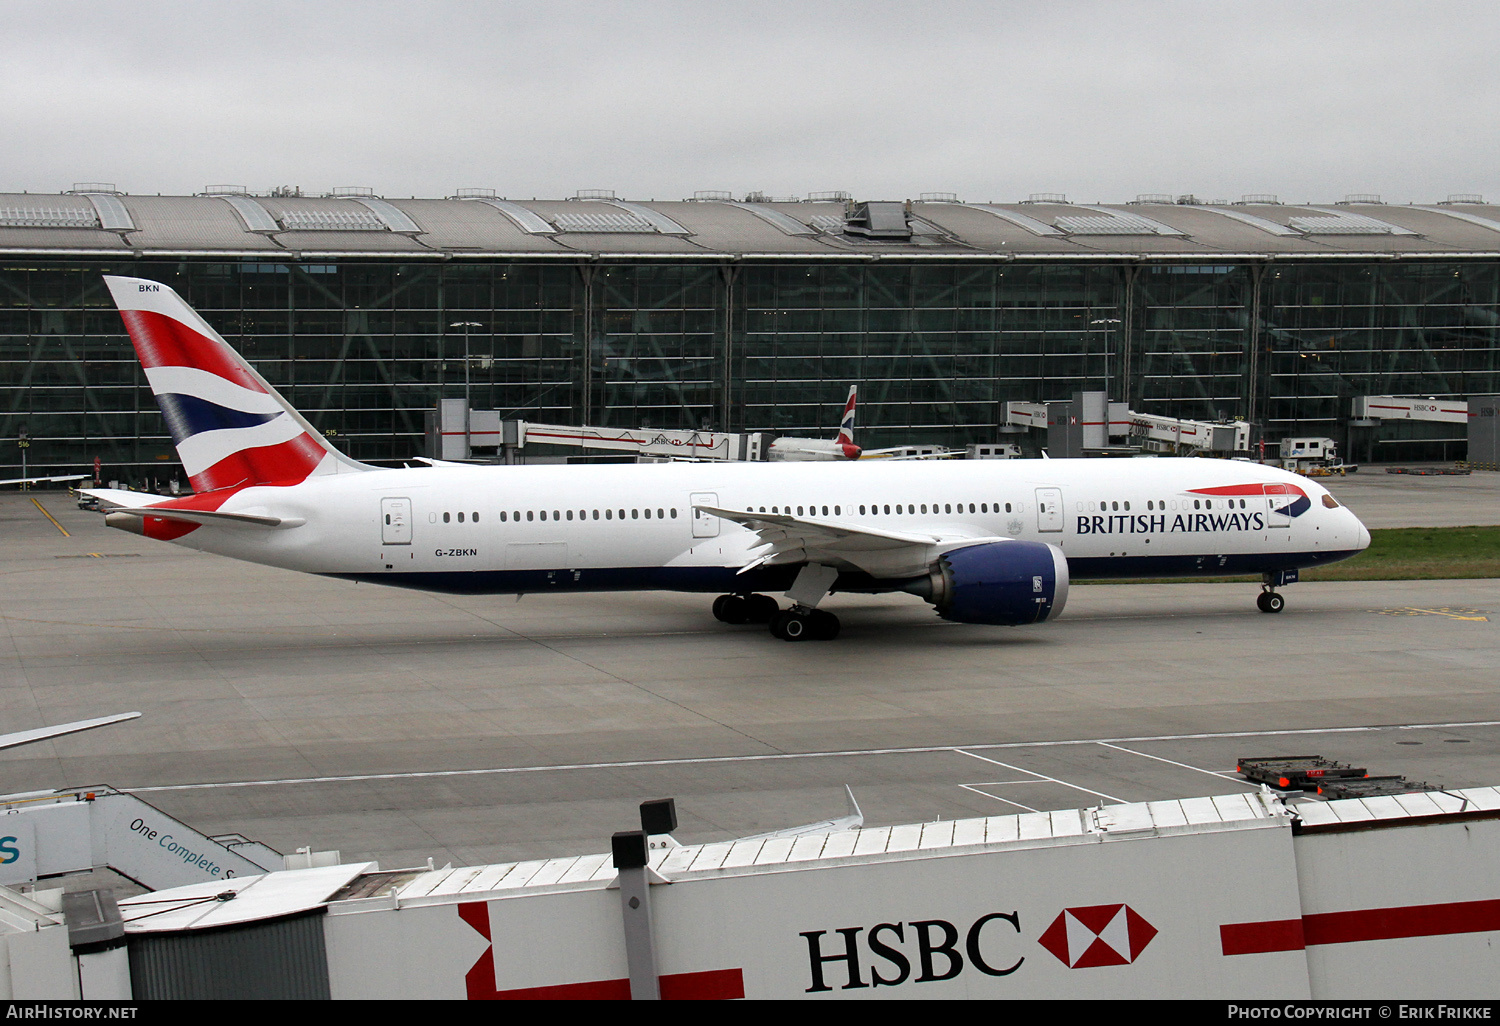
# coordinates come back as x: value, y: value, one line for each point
x: 1117, y: 918
x: 1094, y: 920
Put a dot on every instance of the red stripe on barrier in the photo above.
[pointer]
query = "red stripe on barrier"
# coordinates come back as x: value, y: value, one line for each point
x: 1257, y: 938
x: 1361, y: 925
x: 1409, y: 921
x: 713, y: 985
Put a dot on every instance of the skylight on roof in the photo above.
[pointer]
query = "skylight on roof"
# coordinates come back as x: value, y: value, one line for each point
x: 331, y: 221
x: 1342, y: 222
x: 48, y: 217
x: 603, y: 223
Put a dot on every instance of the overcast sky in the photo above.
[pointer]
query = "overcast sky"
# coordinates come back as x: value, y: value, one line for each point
x: 656, y: 99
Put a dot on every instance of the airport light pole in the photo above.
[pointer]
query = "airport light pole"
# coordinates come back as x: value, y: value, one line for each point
x: 1106, y: 321
x: 466, y: 325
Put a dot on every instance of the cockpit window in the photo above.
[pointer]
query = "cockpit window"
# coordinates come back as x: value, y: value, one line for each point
x: 1330, y: 501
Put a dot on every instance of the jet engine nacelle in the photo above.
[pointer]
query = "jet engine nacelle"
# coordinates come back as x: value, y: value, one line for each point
x: 1007, y: 583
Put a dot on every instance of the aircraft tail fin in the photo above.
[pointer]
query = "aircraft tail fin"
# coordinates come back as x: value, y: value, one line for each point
x: 230, y: 427
x: 846, y: 426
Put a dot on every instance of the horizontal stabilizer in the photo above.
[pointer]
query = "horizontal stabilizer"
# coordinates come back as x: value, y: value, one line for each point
x: 203, y: 516
x: 110, y: 498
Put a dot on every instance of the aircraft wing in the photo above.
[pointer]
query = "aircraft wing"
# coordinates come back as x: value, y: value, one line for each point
x: 853, y: 820
x: 38, y: 480
x: 783, y: 538
x: 26, y: 737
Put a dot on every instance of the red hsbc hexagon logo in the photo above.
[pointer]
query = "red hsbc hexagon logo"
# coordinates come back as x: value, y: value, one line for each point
x: 1097, y: 935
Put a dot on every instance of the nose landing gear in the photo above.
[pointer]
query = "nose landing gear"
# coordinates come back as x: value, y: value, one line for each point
x: 1269, y: 600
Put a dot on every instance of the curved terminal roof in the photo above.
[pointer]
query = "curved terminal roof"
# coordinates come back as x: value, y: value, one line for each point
x: 235, y: 224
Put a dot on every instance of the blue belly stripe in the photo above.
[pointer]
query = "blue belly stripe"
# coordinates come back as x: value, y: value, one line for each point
x: 716, y: 580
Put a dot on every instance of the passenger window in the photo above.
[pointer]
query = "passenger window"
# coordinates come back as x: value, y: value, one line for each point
x: 1007, y: 507
x: 529, y: 514
x: 861, y: 511
x: 635, y: 514
x: 447, y: 517
x: 609, y: 514
x: 502, y: 516
x: 570, y: 514
x: 474, y: 517
x: 648, y: 514
x: 460, y: 518
x: 660, y: 514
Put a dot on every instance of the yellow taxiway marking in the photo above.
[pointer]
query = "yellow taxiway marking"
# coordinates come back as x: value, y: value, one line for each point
x: 1448, y: 611
x: 50, y: 517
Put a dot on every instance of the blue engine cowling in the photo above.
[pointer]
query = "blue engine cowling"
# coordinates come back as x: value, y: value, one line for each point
x: 1009, y: 583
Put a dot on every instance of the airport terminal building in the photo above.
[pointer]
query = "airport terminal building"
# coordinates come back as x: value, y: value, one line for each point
x: 750, y: 314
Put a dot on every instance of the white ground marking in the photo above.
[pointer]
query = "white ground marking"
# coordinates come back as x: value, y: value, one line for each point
x: 785, y: 756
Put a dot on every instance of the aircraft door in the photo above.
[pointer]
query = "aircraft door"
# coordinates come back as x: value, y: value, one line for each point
x: 1049, y: 509
x: 1279, y: 499
x: 705, y: 525
x: 395, y: 521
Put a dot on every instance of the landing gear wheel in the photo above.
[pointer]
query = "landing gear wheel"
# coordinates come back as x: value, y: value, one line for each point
x: 1270, y: 602
x: 805, y: 625
x: 760, y: 609
x: 823, y: 626
x: 736, y: 609
x: 790, y: 625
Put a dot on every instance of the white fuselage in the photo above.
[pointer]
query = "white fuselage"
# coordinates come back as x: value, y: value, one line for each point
x: 524, y: 528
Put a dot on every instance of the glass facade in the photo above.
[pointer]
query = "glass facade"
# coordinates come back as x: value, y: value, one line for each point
x: 365, y: 348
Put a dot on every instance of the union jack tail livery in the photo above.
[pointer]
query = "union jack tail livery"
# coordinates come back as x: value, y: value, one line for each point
x: 846, y: 426
x: 231, y: 428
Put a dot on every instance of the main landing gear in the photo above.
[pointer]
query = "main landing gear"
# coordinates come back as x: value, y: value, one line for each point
x: 738, y: 609
x: 803, y: 622
x: 796, y: 624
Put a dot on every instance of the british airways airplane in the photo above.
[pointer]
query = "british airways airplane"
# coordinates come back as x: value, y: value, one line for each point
x: 986, y: 542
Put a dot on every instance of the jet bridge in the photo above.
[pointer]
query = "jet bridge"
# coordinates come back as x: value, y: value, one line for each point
x: 53, y: 833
